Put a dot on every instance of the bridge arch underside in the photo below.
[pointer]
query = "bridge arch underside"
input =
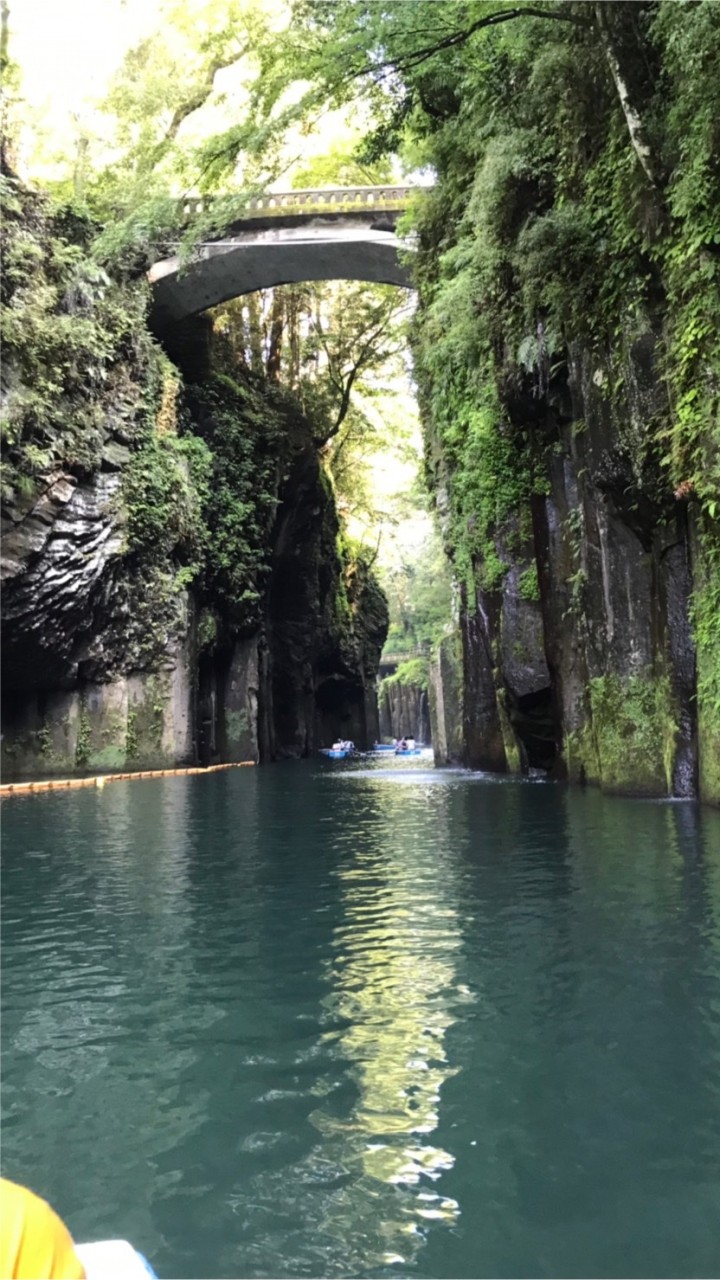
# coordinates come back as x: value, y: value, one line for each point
x: 228, y: 270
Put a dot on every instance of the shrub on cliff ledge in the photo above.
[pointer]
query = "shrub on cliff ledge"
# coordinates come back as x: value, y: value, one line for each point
x: 166, y: 488
x: 75, y: 346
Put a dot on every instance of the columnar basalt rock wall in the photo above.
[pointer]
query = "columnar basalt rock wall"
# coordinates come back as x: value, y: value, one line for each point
x: 404, y: 711
x: 615, y: 579
x: 445, y: 699
x: 581, y: 659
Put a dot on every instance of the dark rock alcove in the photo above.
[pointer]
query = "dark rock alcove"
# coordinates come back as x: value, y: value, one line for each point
x: 340, y: 710
x: 533, y: 719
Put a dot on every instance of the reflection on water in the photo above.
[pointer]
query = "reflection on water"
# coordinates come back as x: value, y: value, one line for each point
x: 395, y: 989
x: 385, y: 1021
x: 100, y: 941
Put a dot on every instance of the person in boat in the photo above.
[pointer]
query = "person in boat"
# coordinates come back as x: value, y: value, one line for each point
x: 338, y: 746
x: 410, y: 743
x: 402, y: 745
x: 35, y: 1244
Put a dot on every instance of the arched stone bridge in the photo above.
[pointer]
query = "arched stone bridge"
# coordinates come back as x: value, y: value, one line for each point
x: 285, y: 238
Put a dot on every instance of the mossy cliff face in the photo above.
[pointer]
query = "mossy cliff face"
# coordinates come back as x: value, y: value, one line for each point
x: 566, y: 350
x: 84, y: 387
x: 144, y: 522
x: 95, y: 663
x: 705, y: 617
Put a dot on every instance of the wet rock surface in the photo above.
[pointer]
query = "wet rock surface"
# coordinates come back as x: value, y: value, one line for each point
x: 326, y: 625
x: 58, y: 557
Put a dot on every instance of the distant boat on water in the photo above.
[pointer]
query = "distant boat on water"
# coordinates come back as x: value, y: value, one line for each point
x: 343, y: 750
x: 340, y: 750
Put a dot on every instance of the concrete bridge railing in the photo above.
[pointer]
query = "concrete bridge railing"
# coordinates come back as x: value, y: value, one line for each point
x: 312, y: 200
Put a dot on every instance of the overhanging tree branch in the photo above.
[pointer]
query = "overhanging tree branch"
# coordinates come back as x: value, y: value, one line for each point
x: 599, y: 22
x: 195, y: 101
x: 417, y: 56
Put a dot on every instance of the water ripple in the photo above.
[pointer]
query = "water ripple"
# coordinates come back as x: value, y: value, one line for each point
x: 371, y: 1021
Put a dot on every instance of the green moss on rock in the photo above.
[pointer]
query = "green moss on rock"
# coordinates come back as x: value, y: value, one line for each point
x: 510, y: 742
x: 414, y: 672
x: 633, y: 726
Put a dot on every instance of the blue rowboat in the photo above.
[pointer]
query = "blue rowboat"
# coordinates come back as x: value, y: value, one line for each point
x: 335, y: 755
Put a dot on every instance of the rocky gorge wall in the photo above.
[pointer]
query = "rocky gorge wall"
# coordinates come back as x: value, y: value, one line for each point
x: 580, y: 658
x: 404, y: 710
x: 566, y: 348
x: 175, y: 585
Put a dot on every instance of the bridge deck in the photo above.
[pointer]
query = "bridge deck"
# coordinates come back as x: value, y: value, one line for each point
x: 312, y: 200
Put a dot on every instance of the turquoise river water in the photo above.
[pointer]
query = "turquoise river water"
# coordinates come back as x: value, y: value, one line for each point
x: 345, y: 1021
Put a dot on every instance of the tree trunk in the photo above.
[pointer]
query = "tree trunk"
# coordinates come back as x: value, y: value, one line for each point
x: 632, y: 115
x: 277, y: 327
x: 255, y: 333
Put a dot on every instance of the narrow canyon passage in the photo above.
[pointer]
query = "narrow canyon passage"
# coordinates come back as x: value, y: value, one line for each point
x: 360, y: 653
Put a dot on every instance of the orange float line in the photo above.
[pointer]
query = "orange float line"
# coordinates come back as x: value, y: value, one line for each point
x: 58, y: 784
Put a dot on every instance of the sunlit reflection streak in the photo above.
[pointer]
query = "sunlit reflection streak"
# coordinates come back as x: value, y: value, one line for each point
x: 394, y: 985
